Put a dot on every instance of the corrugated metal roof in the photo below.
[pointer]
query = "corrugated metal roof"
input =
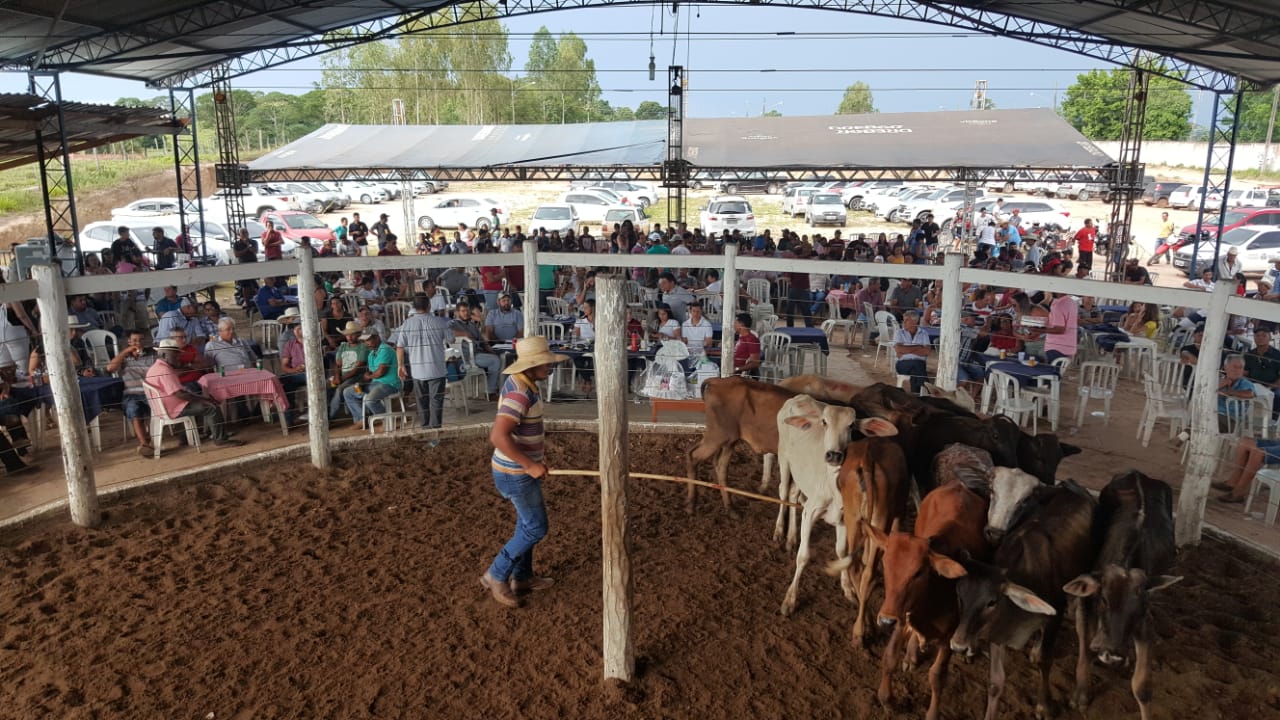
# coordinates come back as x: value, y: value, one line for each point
x: 86, y: 126
x: 159, y: 42
x: 969, y: 139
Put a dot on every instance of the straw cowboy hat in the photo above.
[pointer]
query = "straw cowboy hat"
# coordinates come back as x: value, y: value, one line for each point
x: 532, y: 352
x: 352, y: 329
x: 290, y: 316
x: 74, y: 323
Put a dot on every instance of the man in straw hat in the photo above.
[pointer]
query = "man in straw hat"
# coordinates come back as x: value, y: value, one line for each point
x: 349, y: 362
x: 518, y: 469
x: 180, y: 402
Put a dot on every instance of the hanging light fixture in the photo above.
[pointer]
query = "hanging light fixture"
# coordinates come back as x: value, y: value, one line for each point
x: 653, y: 68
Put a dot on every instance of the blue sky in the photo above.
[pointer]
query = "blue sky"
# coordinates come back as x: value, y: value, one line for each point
x: 910, y: 66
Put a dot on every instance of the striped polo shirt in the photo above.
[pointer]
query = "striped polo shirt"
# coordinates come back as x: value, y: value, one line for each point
x: 519, y: 399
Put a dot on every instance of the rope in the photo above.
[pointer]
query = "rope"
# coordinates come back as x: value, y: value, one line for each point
x: 685, y: 480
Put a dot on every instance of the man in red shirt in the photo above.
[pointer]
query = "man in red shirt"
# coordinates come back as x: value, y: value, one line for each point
x: 1084, y: 239
x: 273, y: 243
x: 746, y: 349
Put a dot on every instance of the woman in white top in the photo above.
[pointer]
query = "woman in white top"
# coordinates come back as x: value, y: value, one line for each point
x: 585, y: 327
x: 697, y: 331
x: 15, y: 338
x: 666, y: 326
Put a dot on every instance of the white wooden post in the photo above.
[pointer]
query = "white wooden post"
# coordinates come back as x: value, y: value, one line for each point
x: 530, y: 287
x: 73, y: 433
x: 949, y: 338
x: 1203, y: 461
x: 611, y: 388
x: 317, y: 395
x: 728, y: 307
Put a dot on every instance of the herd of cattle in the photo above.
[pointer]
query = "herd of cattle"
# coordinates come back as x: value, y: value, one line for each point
x: 999, y: 549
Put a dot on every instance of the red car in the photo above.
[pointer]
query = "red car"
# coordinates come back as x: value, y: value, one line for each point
x: 1237, y: 217
x: 295, y: 225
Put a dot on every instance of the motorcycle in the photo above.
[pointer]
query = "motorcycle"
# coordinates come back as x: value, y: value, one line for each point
x: 1168, y: 249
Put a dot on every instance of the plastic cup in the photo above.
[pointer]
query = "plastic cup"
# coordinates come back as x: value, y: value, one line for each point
x: 222, y: 372
x: 1022, y: 356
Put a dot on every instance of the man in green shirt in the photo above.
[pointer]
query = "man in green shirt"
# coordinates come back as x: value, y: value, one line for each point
x: 349, y: 363
x: 380, y: 379
x: 546, y: 284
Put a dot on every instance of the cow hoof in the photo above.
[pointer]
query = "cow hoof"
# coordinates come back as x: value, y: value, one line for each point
x: 1080, y: 701
x: 787, y: 608
x: 1043, y: 711
x: 885, y: 697
x: 777, y: 535
x: 688, y: 508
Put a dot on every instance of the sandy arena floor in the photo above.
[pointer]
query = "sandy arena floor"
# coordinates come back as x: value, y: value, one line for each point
x: 350, y: 594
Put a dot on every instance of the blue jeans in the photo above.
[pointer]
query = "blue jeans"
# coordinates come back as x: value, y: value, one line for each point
x: 515, y: 559
x: 917, y: 370
x: 373, y: 394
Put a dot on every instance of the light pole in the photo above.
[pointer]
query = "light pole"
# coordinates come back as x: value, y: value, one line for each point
x: 513, y: 97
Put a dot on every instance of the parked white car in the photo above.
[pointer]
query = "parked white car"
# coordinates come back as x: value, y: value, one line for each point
x: 363, y: 192
x: 1191, y: 197
x: 554, y: 217
x: 889, y: 208
x: 796, y: 199
x: 96, y: 237
x: 1048, y: 213
x: 628, y: 192
x: 620, y: 215
x: 151, y: 207
x: 940, y: 203
x: 339, y: 198
x: 853, y: 195
x: 1256, y: 244
x: 1247, y: 197
x: 826, y: 208
x: 448, y: 210
x: 257, y: 200
x: 591, y: 205
x: 727, y: 213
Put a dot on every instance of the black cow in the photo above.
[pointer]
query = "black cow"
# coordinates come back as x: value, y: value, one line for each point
x: 1009, y: 446
x: 1021, y: 592
x: 1133, y: 526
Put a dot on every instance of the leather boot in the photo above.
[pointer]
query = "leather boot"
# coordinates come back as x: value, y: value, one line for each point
x: 500, y: 590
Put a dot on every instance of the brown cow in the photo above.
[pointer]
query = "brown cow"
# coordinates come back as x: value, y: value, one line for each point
x: 736, y: 409
x: 823, y: 389
x: 874, y: 487
x: 919, y: 587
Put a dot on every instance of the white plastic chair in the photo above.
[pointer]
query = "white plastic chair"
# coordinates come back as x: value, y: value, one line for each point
x: 1269, y: 478
x: 765, y: 324
x: 455, y: 391
x: 551, y: 330
x: 1048, y: 392
x: 102, y: 346
x: 108, y: 318
x: 758, y: 290
x: 475, y: 380
x: 887, y: 326
x: 1137, y: 355
x: 1098, y: 381
x: 396, y: 312
x: 1010, y: 402
x: 557, y: 306
x: 775, y: 351
x: 160, y: 419
x: 835, y: 322
x: 388, y: 418
x: 1161, y: 406
x: 352, y: 303
x: 267, y: 334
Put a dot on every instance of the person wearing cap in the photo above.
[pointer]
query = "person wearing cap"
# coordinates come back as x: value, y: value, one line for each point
x: 81, y: 358
x: 1229, y: 265
x: 504, y: 323
x: 518, y: 469
x: 419, y: 344
x: 132, y: 365
x: 380, y: 379
x: 291, y: 318
x: 180, y: 402
x: 183, y: 317
x: 464, y: 326
x: 349, y: 363
x: 270, y: 300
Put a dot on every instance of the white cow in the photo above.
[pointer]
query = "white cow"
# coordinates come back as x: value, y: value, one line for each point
x: 812, y: 437
x: 1009, y: 487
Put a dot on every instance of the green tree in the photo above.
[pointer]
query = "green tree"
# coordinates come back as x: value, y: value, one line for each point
x: 1094, y: 104
x: 857, y: 100
x: 1255, y: 115
x: 772, y: 113
x: 564, y: 76
x: 650, y: 110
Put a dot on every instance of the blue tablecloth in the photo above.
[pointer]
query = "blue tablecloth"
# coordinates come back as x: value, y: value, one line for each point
x: 95, y: 394
x: 807, y: 336
x: 1113, y: 308
x: 1025, y: 374
x: 933, y: 332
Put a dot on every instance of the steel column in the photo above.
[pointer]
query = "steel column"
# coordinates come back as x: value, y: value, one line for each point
x: 1126, y: 185
x: 55, y: 169
x: 186, y: 163
x: 1221, y: 156
x: 230, y: 176
x: 675, y: 171
x: 967, y: 230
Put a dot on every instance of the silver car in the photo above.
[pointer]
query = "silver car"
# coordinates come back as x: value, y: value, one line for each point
x: 826, y: 208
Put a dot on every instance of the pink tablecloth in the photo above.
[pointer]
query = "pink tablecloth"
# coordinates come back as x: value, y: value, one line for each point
x: 843, y: 298
x: 245, y: 383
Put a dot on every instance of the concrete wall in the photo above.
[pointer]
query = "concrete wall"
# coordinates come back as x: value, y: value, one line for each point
x: 1194, y: 154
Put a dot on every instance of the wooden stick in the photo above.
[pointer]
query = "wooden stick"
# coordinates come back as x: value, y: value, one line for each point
x: 686, y: 481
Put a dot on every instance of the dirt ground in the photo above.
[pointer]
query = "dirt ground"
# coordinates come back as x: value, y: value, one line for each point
x: 353, y: 593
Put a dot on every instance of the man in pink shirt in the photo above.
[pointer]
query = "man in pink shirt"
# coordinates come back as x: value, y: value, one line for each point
x: 1060, y: 331
x: 178, y: 401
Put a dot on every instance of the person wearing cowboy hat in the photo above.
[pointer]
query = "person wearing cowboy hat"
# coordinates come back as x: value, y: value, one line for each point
x: 1230, y: 266
x: 349, y: 362
x: 292, y: 317
x: 180, y: 402
x: 518, y: 469
x: 81, y: 358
